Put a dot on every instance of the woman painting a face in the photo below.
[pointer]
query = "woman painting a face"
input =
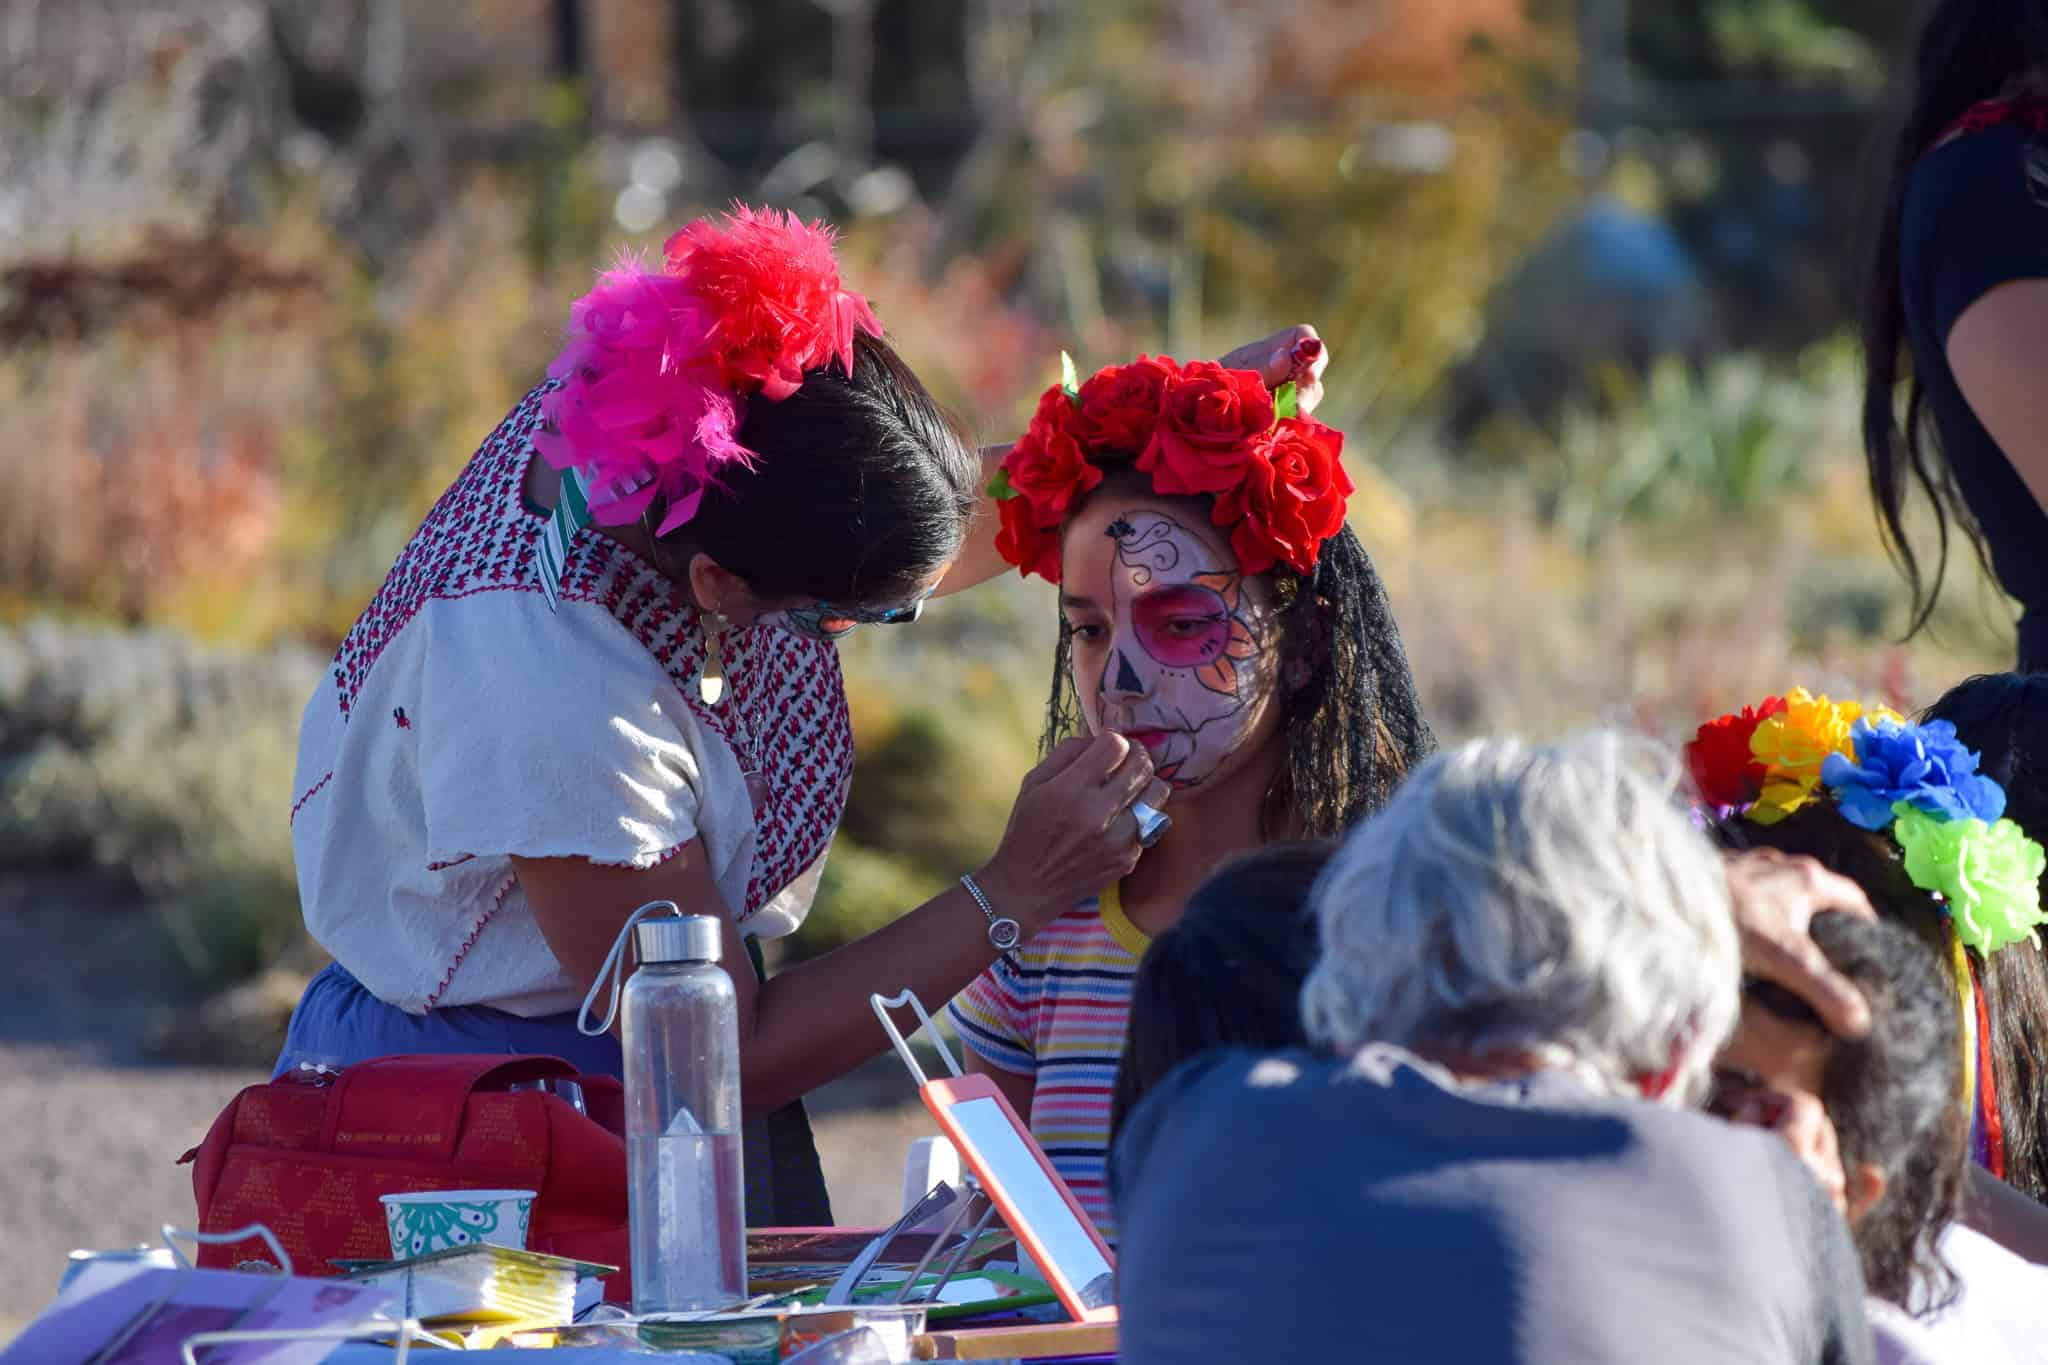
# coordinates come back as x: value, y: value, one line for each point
x: 1217, y: 614
x: 602, y: 674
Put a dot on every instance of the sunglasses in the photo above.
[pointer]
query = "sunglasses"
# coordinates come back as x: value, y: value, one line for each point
x: 828, y: 621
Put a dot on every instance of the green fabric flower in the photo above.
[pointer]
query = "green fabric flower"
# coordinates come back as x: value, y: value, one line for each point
x: 1990, y: 875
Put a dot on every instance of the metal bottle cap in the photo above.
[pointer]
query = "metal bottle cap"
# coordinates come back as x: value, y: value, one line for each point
x: 677, y: 938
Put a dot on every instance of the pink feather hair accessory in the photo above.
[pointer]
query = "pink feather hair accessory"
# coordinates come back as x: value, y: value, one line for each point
x: 659, y: 361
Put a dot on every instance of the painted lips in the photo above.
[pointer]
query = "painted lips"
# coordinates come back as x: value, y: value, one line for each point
x: 1154, y: 741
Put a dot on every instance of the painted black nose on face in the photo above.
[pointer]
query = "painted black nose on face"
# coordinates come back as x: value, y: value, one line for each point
x: 1126, y: 676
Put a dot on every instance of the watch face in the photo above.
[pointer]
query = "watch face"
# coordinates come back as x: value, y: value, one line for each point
x: 1003, y: 934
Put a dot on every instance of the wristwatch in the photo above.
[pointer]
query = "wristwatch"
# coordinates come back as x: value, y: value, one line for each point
x: 1004, y: 933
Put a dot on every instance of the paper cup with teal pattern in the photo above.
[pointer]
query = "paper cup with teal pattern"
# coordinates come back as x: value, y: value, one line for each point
x: 438, y: 1220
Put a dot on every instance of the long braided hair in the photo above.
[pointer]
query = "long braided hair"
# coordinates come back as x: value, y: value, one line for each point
x: 1353, y: 725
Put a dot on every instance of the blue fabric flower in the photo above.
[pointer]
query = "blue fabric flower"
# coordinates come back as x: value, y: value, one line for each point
x: 1924, y: 767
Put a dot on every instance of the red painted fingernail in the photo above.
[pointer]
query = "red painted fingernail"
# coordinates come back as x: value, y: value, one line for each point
x: 1308, y: 348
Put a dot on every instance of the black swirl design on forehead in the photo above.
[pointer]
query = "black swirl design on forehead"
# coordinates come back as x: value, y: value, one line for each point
x: 1149, y: 552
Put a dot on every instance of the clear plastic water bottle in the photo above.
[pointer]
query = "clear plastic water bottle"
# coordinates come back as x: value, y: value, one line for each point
x: 680, y: 1032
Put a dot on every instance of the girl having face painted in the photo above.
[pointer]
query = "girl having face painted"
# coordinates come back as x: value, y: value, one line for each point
x: 1216, y: 612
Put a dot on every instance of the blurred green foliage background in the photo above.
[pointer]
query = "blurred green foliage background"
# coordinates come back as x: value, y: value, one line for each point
x: 271, y: 269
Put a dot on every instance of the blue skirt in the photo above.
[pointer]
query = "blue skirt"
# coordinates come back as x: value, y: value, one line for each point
x: 339, y: 1023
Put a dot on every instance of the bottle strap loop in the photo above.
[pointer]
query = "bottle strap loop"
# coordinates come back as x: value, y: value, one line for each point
x: 614, y: 970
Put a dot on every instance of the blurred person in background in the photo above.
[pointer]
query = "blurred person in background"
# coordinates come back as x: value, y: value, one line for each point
x: 1527, y: 966
x: 603, y: 673
x: 1216, y: 612
x: 1955, y: 303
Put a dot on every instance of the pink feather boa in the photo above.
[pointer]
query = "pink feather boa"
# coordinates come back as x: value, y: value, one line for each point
x: 658, y: 362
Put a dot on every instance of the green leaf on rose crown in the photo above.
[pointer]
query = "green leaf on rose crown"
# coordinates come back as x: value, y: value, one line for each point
x: 999, y: 487
x: 1285, y: 401
x: 1070, y: 378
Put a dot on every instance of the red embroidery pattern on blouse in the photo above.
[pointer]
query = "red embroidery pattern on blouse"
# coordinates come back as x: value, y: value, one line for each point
x: 475, y: 932
x: 480, y: 537
x: 665, y: 856
x: 311, y: 792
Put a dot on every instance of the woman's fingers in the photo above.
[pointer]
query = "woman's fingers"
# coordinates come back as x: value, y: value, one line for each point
x: 1066, y: 754
x: 1126, y: 784
x: 1775, y: 898
x: 1071, y: 832
x: 1793, y: 960
x: 1294, y: 355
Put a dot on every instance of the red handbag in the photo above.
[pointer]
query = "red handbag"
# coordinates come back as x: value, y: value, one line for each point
x: 311, y: 1162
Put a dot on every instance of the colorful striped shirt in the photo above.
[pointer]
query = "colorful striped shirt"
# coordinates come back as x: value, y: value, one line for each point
x: 1055, y: 1011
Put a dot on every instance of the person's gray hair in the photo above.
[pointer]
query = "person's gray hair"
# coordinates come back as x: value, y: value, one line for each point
x: 1552, y: 899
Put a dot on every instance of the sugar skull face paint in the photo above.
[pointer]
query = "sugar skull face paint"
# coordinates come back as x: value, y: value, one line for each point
x: 1171, y: 641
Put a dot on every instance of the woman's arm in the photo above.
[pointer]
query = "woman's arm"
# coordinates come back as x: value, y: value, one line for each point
x: 1274, y: 357
x: 1998, y: 350
x: 1017, y: 1088
x: 809, y: 1024
x: 1070, y: 835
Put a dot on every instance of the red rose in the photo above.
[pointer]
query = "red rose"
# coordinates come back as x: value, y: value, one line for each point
x: 1049, y: 465
x: 1291, y: 498
x: 1724, y: 770
x: 1120, y: 405
x: 1034, y: 549
x: 1207, y: 416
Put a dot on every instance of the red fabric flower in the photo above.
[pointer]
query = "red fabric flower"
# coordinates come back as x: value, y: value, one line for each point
x: 1049, y: 467
x: 1290, y: 498
x: 1724, y: 770
x: 769, y: 286
x: 1120, y: 405
x: 1034, y: 549
x: 1207, y: 415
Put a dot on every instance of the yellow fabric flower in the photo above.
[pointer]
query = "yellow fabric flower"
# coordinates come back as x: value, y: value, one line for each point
x: 1793, y: 745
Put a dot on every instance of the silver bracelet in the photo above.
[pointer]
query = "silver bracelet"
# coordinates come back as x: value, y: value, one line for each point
x: 1004, y: 933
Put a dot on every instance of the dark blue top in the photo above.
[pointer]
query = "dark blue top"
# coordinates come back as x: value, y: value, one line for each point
x: 1975, y: 217
x: 1296, y: 1208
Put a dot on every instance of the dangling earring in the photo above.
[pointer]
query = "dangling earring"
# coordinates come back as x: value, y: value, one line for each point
x: 711, y: 676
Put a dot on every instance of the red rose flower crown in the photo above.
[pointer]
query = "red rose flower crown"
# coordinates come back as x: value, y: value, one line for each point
x: 1277, y: 477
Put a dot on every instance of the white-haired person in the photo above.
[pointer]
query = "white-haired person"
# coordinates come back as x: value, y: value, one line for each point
x: 1527, y: 966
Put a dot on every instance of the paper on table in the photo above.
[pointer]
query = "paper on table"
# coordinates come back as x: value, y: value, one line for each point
x: 560, y: 1355
x: 106, y: 1298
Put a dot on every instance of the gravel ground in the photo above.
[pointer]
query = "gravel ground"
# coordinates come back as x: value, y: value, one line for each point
x: 92, y: 1127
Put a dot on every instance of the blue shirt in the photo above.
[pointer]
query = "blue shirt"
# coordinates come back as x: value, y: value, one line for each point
x: 1292, y: 1207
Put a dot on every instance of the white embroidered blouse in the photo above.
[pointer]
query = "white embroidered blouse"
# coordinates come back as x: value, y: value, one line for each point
x: 464, y: 723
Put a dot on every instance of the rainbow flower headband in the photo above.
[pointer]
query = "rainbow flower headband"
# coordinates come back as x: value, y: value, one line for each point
x: 1918, y: 783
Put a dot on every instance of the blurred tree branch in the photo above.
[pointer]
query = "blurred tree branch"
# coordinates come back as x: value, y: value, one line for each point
x: 1009, y: 73
x: 170, y: 280
x: 853, y: 73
